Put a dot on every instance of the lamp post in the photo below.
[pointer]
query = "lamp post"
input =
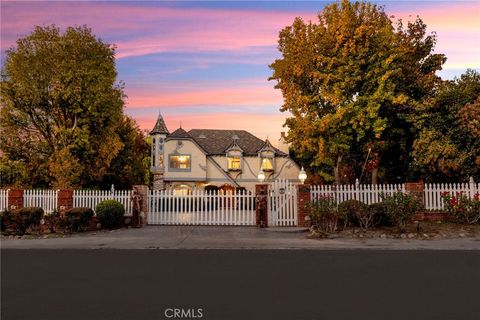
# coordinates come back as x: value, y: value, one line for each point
x: 261, y: 175
x: 302, y: 176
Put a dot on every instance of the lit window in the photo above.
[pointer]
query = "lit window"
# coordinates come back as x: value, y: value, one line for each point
x: 180, y: 162
x: 182, y: 190
x: 267, y: 164
x: 234, y: 163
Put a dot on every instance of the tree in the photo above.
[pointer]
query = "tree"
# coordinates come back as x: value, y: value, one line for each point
x: 350, y: 82
x: 447, y: 147
x: 129, y: 167
x: 61, y: 106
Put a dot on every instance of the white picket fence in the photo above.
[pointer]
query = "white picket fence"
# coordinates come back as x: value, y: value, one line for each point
x: 45, y: 199
x: 90, y: 198
x: 282, y: 203
x: 372, y: 193
x: 201, y: 208
x: 3, y: 199
x: 433, y: 192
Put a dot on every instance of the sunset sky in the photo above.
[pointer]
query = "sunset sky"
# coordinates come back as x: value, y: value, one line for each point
x: 205, y: 64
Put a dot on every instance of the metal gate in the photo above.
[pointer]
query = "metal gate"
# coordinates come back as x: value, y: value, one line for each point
x: 282, y: 203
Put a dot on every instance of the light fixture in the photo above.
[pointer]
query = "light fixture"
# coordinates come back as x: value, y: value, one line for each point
x: 302, y: 176
x: 261, y: 175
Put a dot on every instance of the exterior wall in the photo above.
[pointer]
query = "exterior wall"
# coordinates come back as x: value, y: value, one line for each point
x: 198, y: 177
x: 284, y: 168
x: 198, y: 162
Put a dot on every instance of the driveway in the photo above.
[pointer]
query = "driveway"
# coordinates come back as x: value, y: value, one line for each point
x: 206, y: 237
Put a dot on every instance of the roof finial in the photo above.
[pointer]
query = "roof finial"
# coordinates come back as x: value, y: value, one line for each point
x: 180, y: 123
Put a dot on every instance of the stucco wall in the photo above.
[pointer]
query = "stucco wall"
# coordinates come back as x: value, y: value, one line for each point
x: 284, y: 168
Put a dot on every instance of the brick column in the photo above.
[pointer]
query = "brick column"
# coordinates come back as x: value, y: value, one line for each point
x: 64, y: 200
x: 261, y: 214
x: 303, y: 199
x: 142, y: 192
x: 15, y: 199
x: 415, y: 189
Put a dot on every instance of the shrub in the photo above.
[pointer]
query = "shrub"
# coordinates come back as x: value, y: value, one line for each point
x: 77, y: 219
x: 22, y: 219
x: 401, y: 207
x: 462, y: 208
x: 380, y: 215
x: 53, y: 220
x: 324, y: 214
x: 356, y: 213
x: 110, y: 213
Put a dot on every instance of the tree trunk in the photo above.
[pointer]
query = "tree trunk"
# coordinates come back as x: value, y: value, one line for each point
x: 375, y: 175
x: 336, y: 170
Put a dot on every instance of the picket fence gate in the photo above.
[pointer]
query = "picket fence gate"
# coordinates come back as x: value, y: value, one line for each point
x: 282, y: 203
x: 201, y: 208
x: 90, y: 198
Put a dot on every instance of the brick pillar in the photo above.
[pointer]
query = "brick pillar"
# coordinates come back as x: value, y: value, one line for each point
x: 142, y: 192
x: 303, y: 199
x: 15, y: 199
x: 415, y: 189
x: 261, y: 215
x: 64, y: 200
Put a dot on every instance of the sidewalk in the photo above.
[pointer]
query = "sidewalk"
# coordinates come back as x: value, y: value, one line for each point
x: 206, y: 237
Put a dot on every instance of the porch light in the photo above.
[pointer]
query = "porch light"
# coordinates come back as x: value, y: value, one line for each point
x: 261, y: 175
x: 302, y: 176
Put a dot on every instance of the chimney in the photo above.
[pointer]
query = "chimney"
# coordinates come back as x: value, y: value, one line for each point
x: 282, y: 135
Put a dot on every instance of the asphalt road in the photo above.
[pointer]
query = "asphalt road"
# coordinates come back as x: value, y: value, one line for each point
x: 204, y: 237
x: 239, y: 284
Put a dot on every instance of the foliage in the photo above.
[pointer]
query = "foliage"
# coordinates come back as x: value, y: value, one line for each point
x: 110, y: 213
x: 380, y: 215
x: 401, y: 207
x: 77, y: 219
x: 324, y: 214
x: 447, y: 147
x: 61, y: 106
x: 350, y: 81
x: 129, y: 167
x: 13, y: 173
x: 356, y: 212
x: 462, y: 208
x: 21, y: 219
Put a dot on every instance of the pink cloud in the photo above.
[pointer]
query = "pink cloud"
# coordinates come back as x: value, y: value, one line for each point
x: 271, y: 124
x: 211, y: 96
x: 145, y: 30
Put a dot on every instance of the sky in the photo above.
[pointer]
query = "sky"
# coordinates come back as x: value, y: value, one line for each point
x: 205, y: 64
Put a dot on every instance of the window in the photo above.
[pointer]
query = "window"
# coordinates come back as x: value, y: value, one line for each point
x: 180, y: 162
x: 182, y: 190
x: 234, y: 164
x: 267, y: 164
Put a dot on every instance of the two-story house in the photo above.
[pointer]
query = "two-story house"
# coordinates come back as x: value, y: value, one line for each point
x: 227, y: 159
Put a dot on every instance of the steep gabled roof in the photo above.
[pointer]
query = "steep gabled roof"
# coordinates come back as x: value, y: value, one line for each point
x: 267, y: 146
x: 160, y: 127
x: 179, y: 134
x: 216, y: 142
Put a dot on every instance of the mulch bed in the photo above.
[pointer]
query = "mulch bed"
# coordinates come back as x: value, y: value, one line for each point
x: 425, y: 230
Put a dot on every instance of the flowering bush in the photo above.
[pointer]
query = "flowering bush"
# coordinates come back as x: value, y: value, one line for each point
x: 461, y: 207
x: 401, y: 208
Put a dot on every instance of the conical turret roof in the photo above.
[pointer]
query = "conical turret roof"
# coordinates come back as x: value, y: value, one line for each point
x: 160, y: 127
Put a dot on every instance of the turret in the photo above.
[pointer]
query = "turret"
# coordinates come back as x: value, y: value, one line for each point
x: 158, y: 134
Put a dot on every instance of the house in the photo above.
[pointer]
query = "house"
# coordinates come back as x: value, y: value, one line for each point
x: 227, y: 159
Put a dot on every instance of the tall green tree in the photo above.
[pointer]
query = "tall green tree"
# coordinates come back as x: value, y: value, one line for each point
x: 447, y: 147
x: 351, y: 82
x: 61, y: 107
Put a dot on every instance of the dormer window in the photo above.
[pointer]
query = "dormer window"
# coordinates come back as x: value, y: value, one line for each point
x: 234, y: 163
x: 267, y: 157
x: 267, y: 164
x: 234, y: 156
